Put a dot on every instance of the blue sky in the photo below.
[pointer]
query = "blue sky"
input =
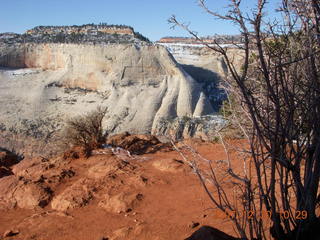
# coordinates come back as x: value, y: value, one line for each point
x: 148, y: 17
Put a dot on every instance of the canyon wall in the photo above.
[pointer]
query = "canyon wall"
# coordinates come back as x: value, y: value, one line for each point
x: 140, y: 84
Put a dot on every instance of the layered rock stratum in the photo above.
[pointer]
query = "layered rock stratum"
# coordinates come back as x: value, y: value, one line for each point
x: 44, y: 84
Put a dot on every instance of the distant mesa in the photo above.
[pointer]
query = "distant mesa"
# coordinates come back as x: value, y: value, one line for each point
x: 88, y: 33
x: 92, y: 29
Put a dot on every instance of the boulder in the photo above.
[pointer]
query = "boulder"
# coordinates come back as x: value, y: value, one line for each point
x: 77, y: 195
x: 23, y: 194
x: 117, y: 139
x: 136, y: 144
x: 119, y: 203
x: 32, y: 195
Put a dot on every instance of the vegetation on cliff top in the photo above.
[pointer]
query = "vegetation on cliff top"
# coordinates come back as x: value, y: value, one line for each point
x: 89, y: 33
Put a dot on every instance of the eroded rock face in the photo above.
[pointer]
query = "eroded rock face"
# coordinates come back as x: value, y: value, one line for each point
x: 207, y: 67
x: 140, y: 84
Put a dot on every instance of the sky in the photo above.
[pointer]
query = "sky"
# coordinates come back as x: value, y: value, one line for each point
x: 149, y: 17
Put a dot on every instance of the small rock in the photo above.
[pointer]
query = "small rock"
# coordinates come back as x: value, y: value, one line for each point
x: 67, y: 173
x: 194, y: 224
x: 50, y: 166
x: 139, y: 196
x: 144, y: 179
x: 11, y: 233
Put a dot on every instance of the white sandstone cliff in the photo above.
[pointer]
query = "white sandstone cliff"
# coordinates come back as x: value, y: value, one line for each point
x: 140, y: 85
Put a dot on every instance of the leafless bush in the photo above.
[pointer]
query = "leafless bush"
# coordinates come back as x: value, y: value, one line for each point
x: 86, y: 131
x: 278, y: 105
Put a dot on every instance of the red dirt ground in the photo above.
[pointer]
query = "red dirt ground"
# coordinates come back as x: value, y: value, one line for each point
x: 171, y: 198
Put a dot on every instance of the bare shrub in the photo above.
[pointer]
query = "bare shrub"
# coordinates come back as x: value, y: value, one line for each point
x: 277, y: 95
x: 86, y: 131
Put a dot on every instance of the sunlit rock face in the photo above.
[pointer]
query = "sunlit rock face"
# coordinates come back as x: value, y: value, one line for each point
x: 206, y: 66
x: 141, y: 84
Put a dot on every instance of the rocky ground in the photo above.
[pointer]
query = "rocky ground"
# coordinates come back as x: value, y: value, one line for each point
x: 148, y: 193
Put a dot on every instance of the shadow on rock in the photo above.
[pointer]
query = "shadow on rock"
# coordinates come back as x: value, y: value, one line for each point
x: 7, y: 160
x: 210, y: 233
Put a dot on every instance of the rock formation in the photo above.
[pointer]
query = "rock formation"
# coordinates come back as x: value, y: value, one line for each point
x: 208, y: 68
x: 139, y: 83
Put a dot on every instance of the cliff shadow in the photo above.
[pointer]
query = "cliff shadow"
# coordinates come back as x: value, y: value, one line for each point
x: 200, y: 74
x: 209, y: 82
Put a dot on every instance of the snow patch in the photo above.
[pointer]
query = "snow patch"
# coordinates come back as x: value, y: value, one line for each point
x: 19, y: 71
